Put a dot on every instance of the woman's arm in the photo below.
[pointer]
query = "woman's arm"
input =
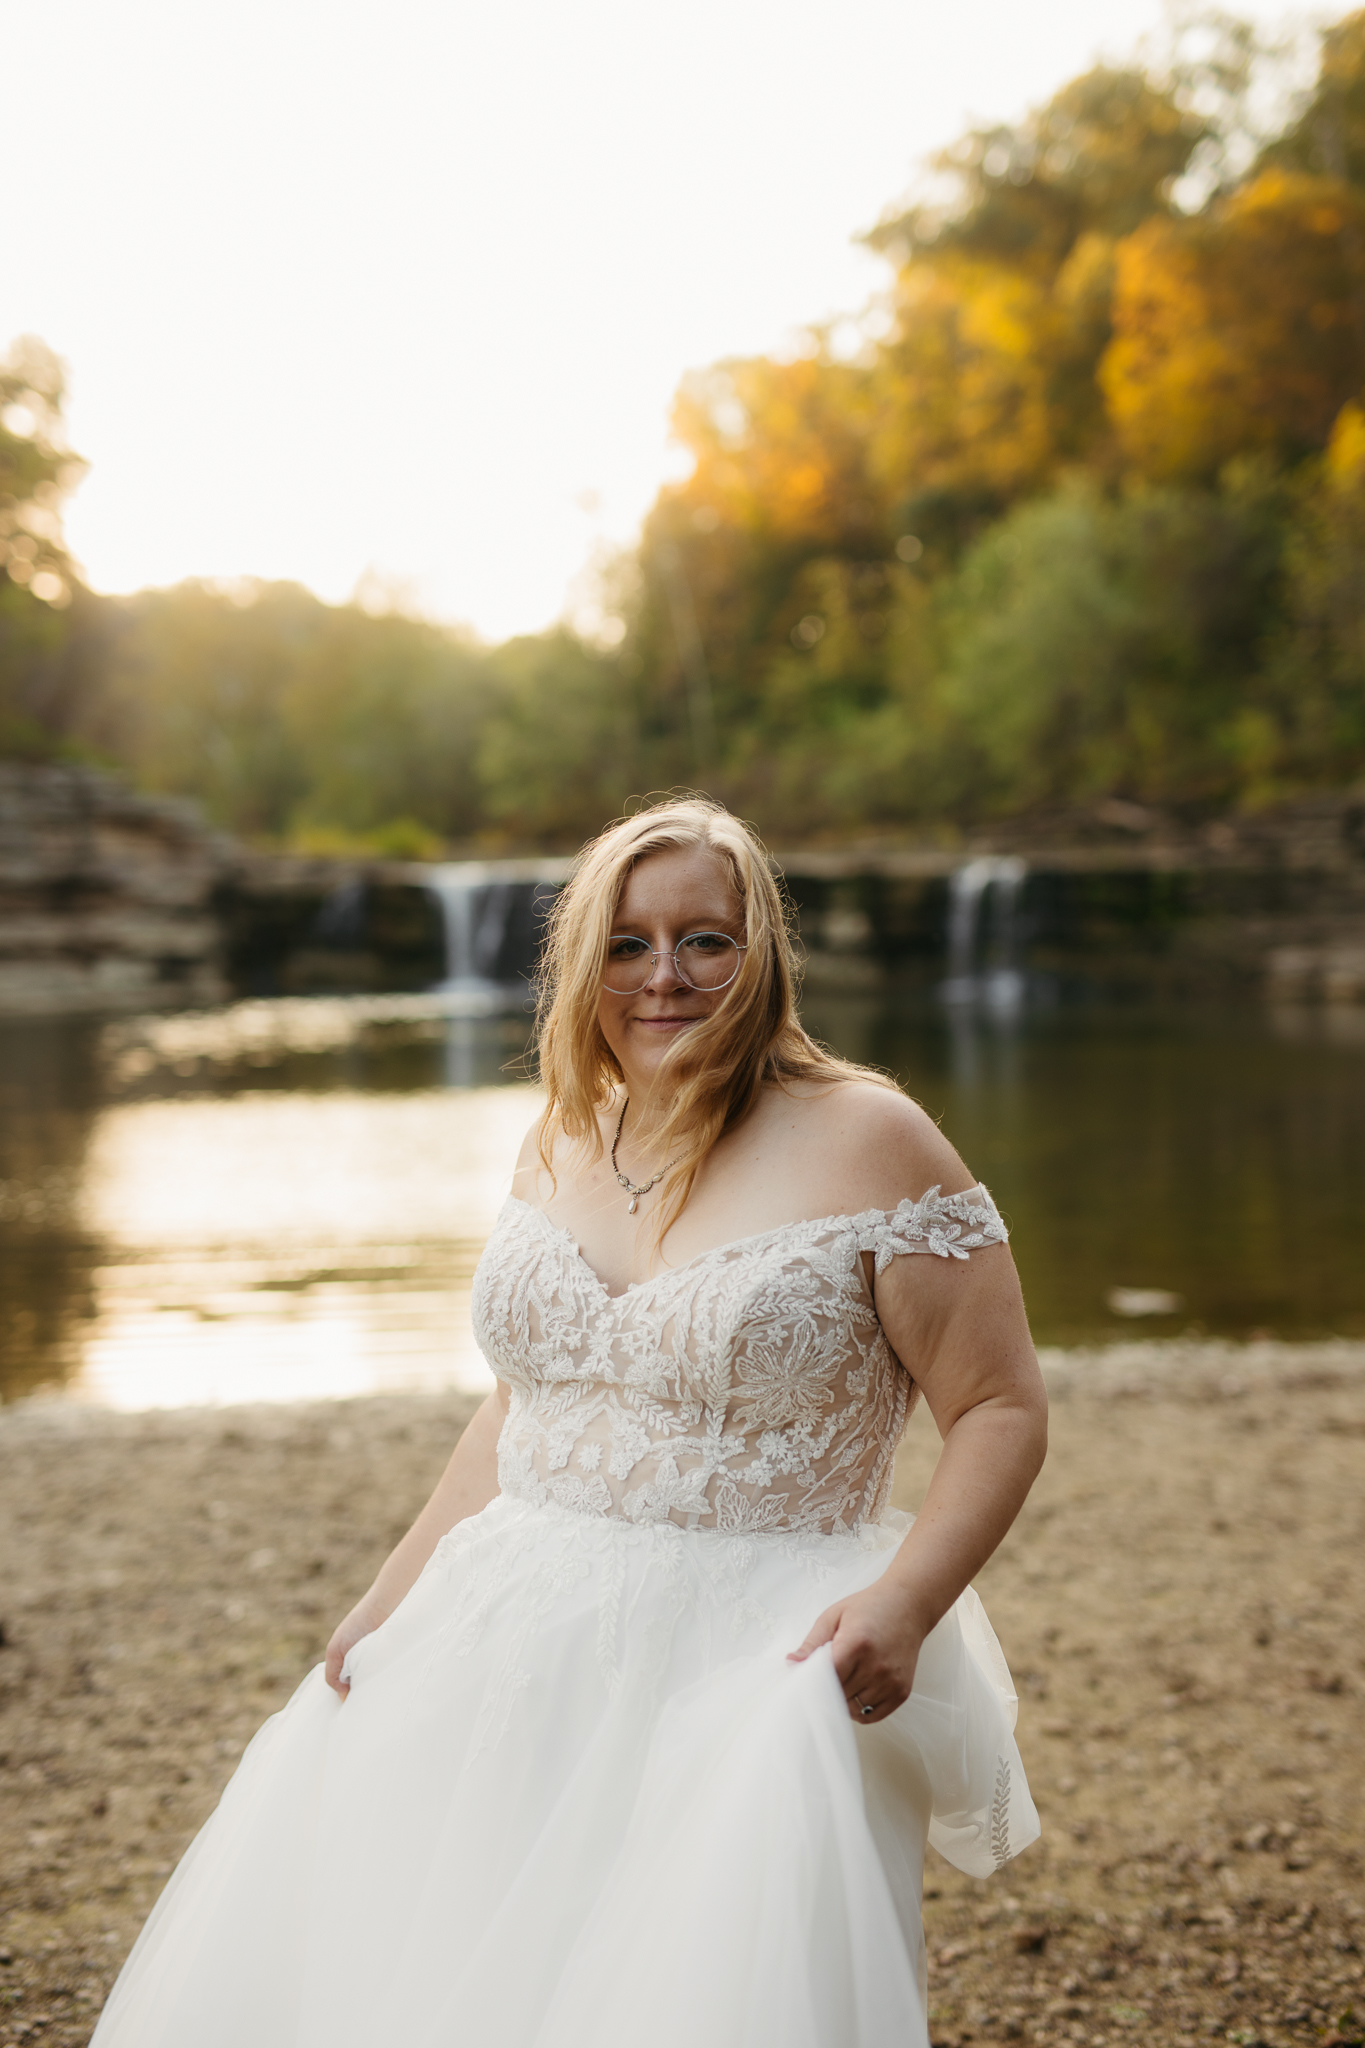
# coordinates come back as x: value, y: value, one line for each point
x: 962, y: 1330
x: 468, y: 1483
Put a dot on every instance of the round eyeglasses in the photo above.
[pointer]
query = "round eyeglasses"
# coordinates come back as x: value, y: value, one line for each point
x: 704, y: 960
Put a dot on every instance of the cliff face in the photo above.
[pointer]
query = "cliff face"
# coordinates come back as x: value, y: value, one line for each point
x: 1122, y: 893
x: 111, y: 901
x: 106, y: 898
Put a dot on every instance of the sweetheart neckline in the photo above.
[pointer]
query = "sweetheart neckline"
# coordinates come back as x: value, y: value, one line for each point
x: 731, y: 1244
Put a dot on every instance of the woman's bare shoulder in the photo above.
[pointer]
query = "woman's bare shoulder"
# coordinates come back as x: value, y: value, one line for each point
x: 542, y: 1140
x: 545, y: 1141
x: 876, y: 1145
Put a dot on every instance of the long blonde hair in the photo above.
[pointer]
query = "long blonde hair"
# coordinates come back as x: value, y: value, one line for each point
x: 712, y: 1075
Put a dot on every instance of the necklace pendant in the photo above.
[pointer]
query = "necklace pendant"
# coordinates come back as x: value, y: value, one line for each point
x: 626, y: 1182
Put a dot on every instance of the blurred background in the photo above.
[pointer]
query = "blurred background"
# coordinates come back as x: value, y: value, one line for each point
x: 943, y: 441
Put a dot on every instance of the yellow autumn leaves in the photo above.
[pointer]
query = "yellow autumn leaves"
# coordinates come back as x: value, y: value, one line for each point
x: 1238, y: 332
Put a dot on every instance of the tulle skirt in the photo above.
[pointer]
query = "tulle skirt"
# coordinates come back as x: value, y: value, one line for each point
x: 577, y: 1798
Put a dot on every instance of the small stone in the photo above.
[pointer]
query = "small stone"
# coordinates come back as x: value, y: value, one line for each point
x: 1030, y: 1941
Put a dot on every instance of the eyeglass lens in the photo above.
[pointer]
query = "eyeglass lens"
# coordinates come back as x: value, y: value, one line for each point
x: 705, y: 960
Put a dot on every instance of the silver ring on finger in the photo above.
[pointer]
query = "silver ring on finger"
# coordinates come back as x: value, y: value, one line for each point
x: 863, y: 1709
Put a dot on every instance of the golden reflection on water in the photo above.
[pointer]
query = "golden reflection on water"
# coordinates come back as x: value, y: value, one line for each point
x: 280, y: 1202
x: 283, y: 1247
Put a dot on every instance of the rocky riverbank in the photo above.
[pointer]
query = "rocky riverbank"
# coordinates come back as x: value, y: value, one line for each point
x: 113, y: 901
x: 1181, y: 1603
x: 107, y: 899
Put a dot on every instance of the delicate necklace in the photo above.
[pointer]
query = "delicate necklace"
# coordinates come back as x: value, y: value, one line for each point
x: 629, y: 1185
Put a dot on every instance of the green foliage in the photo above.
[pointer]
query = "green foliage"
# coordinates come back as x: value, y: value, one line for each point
x: 287, y: 717
x: 397, y: 839
x: 842, y: 730
x: 559, y: 739
x: 1100, y: 646
x: 1317, y: 665
x: 32, y: 642
x: 1085, y: 518
x: 1100, y: 157
x: 1328, y: 138
x: 330, y: 730
x: 1096, y: 424
x: 37, y: 471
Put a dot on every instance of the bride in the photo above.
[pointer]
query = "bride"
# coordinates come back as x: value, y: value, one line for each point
x: 640, y: 1732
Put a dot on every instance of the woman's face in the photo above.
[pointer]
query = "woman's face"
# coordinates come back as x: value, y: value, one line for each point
x: 668, y: 897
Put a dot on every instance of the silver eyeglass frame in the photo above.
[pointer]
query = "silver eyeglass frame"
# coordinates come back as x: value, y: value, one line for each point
x: 671, y: 953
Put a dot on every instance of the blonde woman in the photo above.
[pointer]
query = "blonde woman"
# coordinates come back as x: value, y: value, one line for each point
x: 640, y: 1732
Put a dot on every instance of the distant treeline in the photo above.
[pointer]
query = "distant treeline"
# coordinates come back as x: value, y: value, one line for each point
x: 1082, y: 517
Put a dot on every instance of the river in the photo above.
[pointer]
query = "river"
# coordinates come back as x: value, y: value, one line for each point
x: 282, y: 1202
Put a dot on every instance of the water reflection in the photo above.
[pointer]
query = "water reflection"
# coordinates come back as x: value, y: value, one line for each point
x: 48, y: 1105
x: 457, y: 1038
x: 1141, y: 1150
x: 279, y: 1246
x: 983, y: 1043
x: 270, y: 1202
x: 985, y: 941
x: 285, y: 1200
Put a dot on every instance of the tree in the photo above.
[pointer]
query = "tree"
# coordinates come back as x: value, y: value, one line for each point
x: 287, y: 717
x: 1241, y: 330
x: 38, y: 676
x: 844, y: 734
x: 1099, y: 158
x: 558, y: 747
x: 1317, y: 671
x: 1084, y: 515
x: 1097, y: 646
x: 780, y: 477
x: 1328, y: 138
x: 986, y: 388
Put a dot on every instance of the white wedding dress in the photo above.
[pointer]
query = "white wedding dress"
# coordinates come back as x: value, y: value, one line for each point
x: 577, y: 1797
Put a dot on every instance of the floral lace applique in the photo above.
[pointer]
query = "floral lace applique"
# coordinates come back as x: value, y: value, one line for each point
x: 750, y: 1390
x: 932, y: 1224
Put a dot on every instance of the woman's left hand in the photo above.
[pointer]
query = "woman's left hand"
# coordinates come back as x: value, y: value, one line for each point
x: 876, y: 1643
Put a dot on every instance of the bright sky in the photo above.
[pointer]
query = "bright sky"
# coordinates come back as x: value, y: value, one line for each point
x: 404, y: 291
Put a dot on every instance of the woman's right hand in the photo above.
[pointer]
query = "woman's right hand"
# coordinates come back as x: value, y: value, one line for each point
x: 468, y: 1483
x: 364, y: 1618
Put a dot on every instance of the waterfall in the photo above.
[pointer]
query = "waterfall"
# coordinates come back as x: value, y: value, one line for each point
x: 492, y: 913
x: 984, y: 934
x: 475, y: 908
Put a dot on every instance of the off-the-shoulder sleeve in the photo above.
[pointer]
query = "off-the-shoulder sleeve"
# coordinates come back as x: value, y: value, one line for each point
x: 949, y: 1226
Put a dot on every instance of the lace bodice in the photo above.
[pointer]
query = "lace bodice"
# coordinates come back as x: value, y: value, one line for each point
x: 750, y: 1389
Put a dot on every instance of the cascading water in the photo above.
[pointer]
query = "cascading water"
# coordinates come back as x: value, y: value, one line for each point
x: 491, y: 914
x: 475, y: 909
x: 984, y: 934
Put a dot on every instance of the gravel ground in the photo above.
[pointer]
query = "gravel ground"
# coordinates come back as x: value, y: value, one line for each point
x: 1180, y: 1602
